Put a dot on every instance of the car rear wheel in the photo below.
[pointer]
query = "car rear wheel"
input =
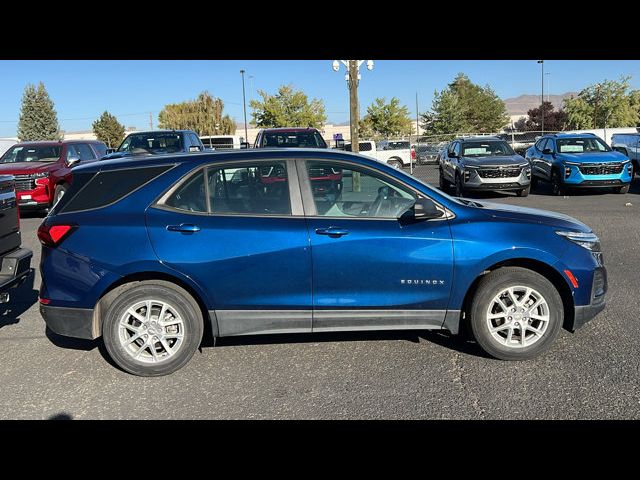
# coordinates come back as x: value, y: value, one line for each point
x: 152, y: 328
x: 395, y: 163
x: 516, y: 314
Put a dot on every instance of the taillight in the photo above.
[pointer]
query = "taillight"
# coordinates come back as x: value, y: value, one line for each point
x: 413, y: 153
x: 54, y: 234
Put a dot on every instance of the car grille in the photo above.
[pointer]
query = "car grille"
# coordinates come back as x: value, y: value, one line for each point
x: 601, y: 169
x: 24, y: 182
x: 499, y: 172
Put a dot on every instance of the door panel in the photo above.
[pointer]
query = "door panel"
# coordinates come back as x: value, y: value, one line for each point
x: 255, y: 269
x: 373, y: 266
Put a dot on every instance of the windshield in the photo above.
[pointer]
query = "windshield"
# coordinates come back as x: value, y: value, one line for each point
x: 152, y: 142
x: 311, y: 139
x: 495, y: 148
x: 397, y: 146
x: 31, y: 154
x: 581, y: 145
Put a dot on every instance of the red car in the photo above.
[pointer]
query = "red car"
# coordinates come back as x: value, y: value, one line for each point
x: 42, y: 170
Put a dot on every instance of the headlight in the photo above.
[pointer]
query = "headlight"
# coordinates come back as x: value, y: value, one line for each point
x: 589, y: 241
x: 570, y: 163
x: 40, y: 175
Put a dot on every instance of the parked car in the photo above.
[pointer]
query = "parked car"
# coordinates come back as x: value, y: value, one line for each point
x: 426, y: 153
x: 157, y: 142
x: 387, y: 252
x: 393, y: 145
x: 629, y: 145
x: 395, y: 158
x: 223, y: 142
x: 579, y: 160
x: 484, y: 163
x: 289, y: 137
x: 42, y: 170
x: 15, y: 262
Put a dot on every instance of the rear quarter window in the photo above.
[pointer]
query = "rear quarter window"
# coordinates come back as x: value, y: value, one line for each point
x: 106, y: 188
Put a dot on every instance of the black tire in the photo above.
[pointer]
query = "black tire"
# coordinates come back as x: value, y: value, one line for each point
x: 128, y: 295
x: 490, y: 286
x: 444, y: 183
x: 59, y: 193
x: 624, y: 189
x: 459, y: 186
x: 524, y: 192
x: 557, y: 187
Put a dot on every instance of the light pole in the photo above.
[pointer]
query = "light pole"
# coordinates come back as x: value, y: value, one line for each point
x: 353, y: 77
x: 548, y: 74
x: 541, y: 62
x: 244, y: 104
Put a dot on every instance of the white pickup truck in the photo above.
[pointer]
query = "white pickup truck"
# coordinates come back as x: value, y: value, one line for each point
x: 383, y: 152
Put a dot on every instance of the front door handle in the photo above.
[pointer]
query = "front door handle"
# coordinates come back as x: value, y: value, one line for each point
x: 333, y: 232
x: 184, y: 228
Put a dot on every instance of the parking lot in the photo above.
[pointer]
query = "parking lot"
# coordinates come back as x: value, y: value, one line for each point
x: 591, y: 374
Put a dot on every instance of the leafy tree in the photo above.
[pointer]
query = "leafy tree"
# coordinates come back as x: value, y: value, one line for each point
x: 554, y: 120
x: 464, y: 107
x: 288, y: 108
x: 385, y: 120
x: 108, y: 130
x: 38, y: 118
x: 607, y: 104
x: 202, y: 115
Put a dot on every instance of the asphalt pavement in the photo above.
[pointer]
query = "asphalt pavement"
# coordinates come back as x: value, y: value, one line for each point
x: 591, y: 374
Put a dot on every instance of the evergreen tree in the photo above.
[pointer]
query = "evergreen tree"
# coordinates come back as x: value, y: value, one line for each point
x: 109, y: 130
x: 38, y: 118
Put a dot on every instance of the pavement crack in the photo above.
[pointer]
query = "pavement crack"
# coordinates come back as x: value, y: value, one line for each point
x: 458, y: 378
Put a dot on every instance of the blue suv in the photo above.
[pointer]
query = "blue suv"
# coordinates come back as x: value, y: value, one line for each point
x: 578, y: 160
x: 151, y: 253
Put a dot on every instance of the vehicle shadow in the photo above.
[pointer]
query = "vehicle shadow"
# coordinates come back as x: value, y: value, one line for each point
x: 20, y: 300
x: 82, y: 344
x: 459, y: 343
x: 33, y: 213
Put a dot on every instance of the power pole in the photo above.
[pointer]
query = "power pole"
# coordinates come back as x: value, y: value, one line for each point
x: 353, y: 105
x: 151, y: 120
x: 244, y: 104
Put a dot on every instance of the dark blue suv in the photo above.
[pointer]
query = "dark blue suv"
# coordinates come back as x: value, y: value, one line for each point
x: 578, y: 160
x: 151, y: 253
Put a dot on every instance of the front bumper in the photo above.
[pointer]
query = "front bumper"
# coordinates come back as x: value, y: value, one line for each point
x: 584, y: 313
x: 70, y: 322
x: 578, y: 178
x: 15, y: 267
x: 474, y: 181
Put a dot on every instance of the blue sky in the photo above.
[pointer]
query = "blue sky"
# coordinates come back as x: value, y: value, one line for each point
x: 131, y: 89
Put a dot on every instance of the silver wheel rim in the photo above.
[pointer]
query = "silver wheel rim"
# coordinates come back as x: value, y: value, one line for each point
x: 151, y: 331
x: 518, y: 317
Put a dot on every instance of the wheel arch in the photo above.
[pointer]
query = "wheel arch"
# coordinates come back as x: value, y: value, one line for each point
x: 210, y: 321
x: 542, y: 268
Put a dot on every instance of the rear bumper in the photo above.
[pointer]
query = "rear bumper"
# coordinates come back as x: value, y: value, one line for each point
x: 70, y: 322
x: 15, y: 267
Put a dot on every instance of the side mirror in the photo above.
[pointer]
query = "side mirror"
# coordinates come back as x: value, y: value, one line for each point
x: 244, y: 145
x: 110, y: 150
x: 452, y: 155
x: 547, y: 151
x: 194, y: 148
x: 72, y: 160
x: 423, y: 209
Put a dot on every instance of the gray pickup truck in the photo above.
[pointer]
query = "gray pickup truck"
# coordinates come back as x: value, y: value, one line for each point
x: 15, y: 262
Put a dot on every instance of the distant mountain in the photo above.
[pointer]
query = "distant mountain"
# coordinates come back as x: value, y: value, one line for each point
x: 522, y: 104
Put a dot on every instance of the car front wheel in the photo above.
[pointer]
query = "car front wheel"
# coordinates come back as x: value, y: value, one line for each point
x: 516, y: 314
x: 152, y: 328
x: 557, y: 188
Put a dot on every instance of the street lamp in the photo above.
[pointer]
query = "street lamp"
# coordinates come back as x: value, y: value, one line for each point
x: 244, y: 104
x: 353, y: 77
x: 541, y: 62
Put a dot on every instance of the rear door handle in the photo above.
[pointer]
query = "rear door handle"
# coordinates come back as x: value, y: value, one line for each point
x: 184, y: 228
x: 332, y: 231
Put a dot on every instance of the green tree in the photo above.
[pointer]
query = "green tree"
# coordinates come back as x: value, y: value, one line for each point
x: 464, y: 107
x: 108, y: 130
x: 385, y: 120
x: 288, y: 108
x: 202, y: 115
x: 38, y: 118
x: 610, y: 103
x: 554, y: 120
